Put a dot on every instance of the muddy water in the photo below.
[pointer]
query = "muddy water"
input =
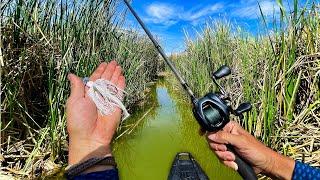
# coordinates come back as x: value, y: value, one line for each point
x: 166, y: 127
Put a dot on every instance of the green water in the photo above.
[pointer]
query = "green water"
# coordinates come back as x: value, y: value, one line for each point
x: 168, y: 127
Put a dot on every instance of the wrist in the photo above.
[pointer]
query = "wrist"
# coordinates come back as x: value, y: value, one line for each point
x: 281, y: 167
x: 91, y: 165
x: 81, y: 150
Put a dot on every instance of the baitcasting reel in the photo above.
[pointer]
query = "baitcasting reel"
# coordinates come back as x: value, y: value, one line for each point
x: 212, y: 113
x: 213, y: 110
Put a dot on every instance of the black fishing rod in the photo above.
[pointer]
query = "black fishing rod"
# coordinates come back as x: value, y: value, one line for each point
x: 213, y: 110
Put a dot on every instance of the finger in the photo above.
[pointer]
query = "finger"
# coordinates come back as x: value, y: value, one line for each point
x: 223, y: 137
x: 234, y: 128
x: 231, y: 164
x: 218, y: 147
x: 77, y: 86
x: 225, y: 155
x: 98, y: 72
x: 107, y: 74
x: 229, y: 126
x: 116, y: 74
x: 121, y: 82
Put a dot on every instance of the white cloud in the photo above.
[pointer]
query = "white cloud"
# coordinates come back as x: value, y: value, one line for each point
x: 169, y: 14
x: 250, y: 9
x: 208, y: 10
x: 160, y: 11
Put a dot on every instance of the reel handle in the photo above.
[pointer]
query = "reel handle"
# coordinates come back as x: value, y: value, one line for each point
x: 244, y: 169
x: 222, y: 72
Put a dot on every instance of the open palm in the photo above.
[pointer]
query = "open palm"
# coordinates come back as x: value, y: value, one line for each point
x: 88, y: 129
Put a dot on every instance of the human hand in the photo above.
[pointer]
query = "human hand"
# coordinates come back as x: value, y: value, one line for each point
x: 260, y: 157
x: 91, y: 133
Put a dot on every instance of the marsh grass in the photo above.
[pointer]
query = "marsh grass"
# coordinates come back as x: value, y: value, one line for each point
x: 277, y: 72
x: 41, y: 42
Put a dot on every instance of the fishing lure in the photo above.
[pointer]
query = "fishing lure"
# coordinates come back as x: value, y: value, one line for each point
x: 106, y: 96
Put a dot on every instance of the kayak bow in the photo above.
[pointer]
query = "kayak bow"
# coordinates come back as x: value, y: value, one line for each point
x: 185, y: 167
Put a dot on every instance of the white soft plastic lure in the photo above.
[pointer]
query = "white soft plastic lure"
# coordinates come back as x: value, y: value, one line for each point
x: 106, y: 96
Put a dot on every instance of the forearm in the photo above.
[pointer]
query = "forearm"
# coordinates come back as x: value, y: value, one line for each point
x: 281, y: 167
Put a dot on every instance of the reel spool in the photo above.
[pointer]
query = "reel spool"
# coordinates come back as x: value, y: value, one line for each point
x: 213, y: 110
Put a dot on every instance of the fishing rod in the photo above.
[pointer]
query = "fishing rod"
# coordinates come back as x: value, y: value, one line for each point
x: 213, y: 110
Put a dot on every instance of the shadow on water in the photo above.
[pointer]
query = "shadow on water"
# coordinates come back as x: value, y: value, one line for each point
x: 148, y: 151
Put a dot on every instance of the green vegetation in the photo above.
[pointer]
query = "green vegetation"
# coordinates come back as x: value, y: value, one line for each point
x: 42, y: 41
x: 278, y: 73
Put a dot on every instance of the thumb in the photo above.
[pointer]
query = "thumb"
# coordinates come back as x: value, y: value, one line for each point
x: 223, y: 137
x: 77, y: 86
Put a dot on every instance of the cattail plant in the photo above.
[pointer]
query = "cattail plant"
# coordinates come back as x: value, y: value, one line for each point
x: 43, y: 41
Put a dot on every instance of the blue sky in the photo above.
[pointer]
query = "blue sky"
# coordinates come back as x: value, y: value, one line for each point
x: 169, y: 20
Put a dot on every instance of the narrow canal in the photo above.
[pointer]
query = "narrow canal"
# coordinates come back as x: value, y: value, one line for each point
x: 165, y: 128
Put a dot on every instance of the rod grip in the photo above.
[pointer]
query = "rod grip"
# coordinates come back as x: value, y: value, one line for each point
x: 244, y: 169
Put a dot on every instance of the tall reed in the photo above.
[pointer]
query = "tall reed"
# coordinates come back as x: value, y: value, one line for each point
x: 42, y: 41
